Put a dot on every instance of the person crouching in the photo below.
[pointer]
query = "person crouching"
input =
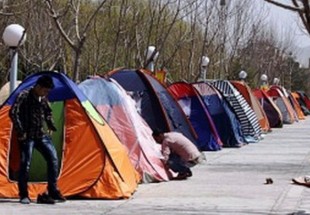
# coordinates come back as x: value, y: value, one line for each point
x: 180, y: 154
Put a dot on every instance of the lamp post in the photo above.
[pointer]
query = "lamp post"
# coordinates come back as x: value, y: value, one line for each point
x: 204, y: 64
x: 151, y: 56
x: 242, y: 75
x: 276, y: 81
x: 13, y: 36
x: 264, y: 80
x: 222, y: 72
x: 290, y: 70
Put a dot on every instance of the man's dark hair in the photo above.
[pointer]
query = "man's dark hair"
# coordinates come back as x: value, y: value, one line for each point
x: 157, y: 132
x: 45, y: 81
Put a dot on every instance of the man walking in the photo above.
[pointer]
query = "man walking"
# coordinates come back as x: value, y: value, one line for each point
x: 28, y: 114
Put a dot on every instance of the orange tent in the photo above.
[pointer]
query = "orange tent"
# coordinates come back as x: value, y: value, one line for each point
x: 293, y: 99
x: 93, y: 162
x: 246, y: 92
x: 302, y: 103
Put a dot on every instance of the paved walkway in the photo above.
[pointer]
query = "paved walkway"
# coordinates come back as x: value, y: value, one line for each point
x: 230, y: 182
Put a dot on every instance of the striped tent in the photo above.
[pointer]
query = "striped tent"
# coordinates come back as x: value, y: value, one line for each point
x: 248, y: 120
x: 246, y: 92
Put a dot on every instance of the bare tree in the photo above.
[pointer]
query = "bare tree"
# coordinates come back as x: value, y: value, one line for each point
x: 77, y: 41
x: 302, y: 7
x: 43, y: 48
x: 9, y: 10
x: 96, y: 36
x: 239, y: 32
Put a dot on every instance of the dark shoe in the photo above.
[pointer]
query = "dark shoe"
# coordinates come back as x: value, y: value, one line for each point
x: 57, y: 196
x: 24, y: 200
x: 180, y: 176
x: 189, y: 173
x: 45, y: 199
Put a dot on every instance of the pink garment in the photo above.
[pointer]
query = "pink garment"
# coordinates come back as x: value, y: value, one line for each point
x: 177, y: 143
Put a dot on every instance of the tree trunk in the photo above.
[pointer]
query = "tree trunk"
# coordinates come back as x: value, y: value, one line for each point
x: 76, y: 66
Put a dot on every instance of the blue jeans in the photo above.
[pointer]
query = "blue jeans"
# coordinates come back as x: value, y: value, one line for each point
x: 47, y: 149
x: 176, y: 163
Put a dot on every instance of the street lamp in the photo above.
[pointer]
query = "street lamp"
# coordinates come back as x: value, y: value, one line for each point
x: 264, y: 79
x: 290, y: 70
x: 151, y: 56
x: 242, y: 75
x: 276, y: 81
x: 13, y: 36
x: 204, y: 64
x: 222, y: 72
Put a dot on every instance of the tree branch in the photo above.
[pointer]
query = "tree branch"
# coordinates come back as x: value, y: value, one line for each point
x: 76, y: 19
x: 55, y: 17
x: 6, y: 14
x: 91, y: 18
x: 285, y: 6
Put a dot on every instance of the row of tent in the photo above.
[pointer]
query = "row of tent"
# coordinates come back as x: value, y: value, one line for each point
x: 104, y: 128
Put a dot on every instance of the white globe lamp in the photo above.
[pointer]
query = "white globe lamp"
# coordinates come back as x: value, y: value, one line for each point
x: 205, y: 61
x: 242, y: 75
x: 264, y: 77
x: 204, y: 64
x: 14, y: 36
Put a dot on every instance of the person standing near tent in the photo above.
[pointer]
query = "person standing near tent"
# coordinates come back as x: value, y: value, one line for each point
x: 180, y: 154
x: 28, y: 114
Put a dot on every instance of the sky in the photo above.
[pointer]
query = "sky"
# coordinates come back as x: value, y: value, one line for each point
x: 288, y: 24
x: 285, y: 19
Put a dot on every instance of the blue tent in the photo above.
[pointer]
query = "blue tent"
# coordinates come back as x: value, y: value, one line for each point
x: 225, y: 121
x: 197, y: 113
x: 156, y: 105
